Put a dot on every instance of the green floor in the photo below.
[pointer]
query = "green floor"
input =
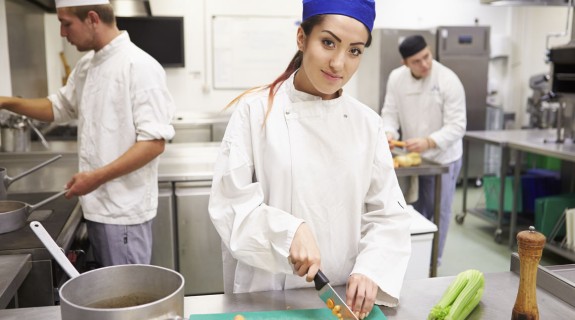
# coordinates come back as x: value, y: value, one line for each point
x: 471, y: 245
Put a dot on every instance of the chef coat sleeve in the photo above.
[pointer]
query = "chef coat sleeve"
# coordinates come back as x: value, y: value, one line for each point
x: 385, y: 246
x: 255, y: 233
x: 64, y: 102
x: 152, y: 105
x: 389, y: 112
x: 454, y: 112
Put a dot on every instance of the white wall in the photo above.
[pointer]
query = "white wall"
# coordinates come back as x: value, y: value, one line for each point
x: 524, y: 27
x: 54, y: 45
x: 420, y: 14
x: 530, y: 27
x: 192, y: 86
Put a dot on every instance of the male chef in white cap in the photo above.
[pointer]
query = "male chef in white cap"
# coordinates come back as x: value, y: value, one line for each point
x: 118, y: 94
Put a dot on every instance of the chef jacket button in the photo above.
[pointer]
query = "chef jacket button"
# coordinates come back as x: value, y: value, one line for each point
x: 287, y: 112
x: 345, y: 115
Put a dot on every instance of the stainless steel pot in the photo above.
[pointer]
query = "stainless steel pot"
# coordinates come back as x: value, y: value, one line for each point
x: 6, y: 181
x: 15, y: 134
x: 16, y: 139
x: 13, y: 214
x: 123, y: 292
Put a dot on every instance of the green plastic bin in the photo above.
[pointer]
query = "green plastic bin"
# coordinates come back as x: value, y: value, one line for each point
x: 548, y: 210
x: 491, y: 189
x: 542, y: 162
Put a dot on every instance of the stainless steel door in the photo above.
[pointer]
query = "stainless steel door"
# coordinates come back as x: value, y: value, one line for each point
x: 164, y: 229
x: 199, y: 245
x: 465, y: 50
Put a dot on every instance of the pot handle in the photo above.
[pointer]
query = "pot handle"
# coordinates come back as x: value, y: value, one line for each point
x: 8, y: 180
x: 43, y: 202
x: 53, y: 248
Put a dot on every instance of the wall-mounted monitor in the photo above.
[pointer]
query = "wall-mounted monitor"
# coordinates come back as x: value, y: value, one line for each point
x: 161, y: 37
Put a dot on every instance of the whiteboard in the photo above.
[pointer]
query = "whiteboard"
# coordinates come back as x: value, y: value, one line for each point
x: 250, y: 51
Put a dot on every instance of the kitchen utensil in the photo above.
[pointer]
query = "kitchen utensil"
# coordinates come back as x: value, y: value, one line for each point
x: 330, y: 297
x: 6, y: 180
x: 122, y: 292
x: 40, y: 135
x: 530, y: 246
x: 13, y: 214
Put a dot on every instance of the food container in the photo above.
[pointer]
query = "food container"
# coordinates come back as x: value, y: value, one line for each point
x: 16, y: 135
x: 122, y: 292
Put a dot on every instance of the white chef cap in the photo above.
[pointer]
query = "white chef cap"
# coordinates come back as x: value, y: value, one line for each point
x: 78, y: 3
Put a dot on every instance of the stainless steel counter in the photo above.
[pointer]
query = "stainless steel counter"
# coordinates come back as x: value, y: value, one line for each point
x: 13, y: 270
x: 179, y: 162
x: 188, y: 162
x: 417, y: 298
x: 534, y: 141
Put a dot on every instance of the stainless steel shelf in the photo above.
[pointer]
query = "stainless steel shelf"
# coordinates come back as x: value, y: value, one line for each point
x: 555, y: 248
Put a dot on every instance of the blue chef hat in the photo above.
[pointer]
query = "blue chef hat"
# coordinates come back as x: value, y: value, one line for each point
x: 361, y: 10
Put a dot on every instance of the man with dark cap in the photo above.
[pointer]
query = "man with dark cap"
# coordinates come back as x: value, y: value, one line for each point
x: 427, y: 101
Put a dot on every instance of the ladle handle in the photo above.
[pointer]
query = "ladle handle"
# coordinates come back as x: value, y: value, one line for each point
x: 51, y: 245
x: 8, y: 180
x: 40, y: 135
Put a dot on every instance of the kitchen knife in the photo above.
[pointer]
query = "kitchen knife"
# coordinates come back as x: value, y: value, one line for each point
x: 331, y: 298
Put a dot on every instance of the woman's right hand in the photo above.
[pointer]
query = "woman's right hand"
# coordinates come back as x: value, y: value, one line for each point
x: 304, y: 253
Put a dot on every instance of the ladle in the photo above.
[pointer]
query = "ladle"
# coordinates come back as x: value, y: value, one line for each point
x: 7, y: 180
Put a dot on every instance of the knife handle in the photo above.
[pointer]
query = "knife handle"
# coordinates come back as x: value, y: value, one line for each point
x: 320, y: 280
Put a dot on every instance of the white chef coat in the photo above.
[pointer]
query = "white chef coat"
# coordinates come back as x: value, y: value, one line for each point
x: 433, y: 107
x: 119, y: 96
x: 323, y: 162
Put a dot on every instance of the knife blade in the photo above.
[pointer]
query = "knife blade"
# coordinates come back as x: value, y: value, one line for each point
x: 327, y: 293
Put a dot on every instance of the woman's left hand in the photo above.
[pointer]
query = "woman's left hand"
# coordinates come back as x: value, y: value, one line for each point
x: 360, y: 294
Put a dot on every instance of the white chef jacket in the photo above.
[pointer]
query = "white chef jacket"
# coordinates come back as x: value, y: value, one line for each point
x: 325, y: 162
x: 433, y: 107
x: 119, y: 96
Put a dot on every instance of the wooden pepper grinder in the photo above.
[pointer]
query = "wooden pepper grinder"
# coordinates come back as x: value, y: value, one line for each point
x: 530, y: 245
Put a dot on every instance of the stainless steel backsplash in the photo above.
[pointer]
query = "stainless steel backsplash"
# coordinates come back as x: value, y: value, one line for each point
x: 27, y: 49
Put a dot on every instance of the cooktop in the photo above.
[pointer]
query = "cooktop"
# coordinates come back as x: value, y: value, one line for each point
x: 54, y: 216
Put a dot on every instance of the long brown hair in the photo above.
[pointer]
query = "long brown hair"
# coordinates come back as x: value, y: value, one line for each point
x: 295, y: 63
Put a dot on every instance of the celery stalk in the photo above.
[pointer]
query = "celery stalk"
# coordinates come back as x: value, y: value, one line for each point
x: 460, y: 298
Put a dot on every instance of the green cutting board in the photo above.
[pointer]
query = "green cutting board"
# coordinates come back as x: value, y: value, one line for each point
x: 311, y: 314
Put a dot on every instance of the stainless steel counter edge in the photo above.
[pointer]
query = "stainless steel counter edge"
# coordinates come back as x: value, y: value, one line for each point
x: 179, y: 162
x: 417, y: 298
x: 13, y: 271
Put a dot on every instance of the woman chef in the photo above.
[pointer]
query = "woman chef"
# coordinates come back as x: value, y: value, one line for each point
x: 305, y: 179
